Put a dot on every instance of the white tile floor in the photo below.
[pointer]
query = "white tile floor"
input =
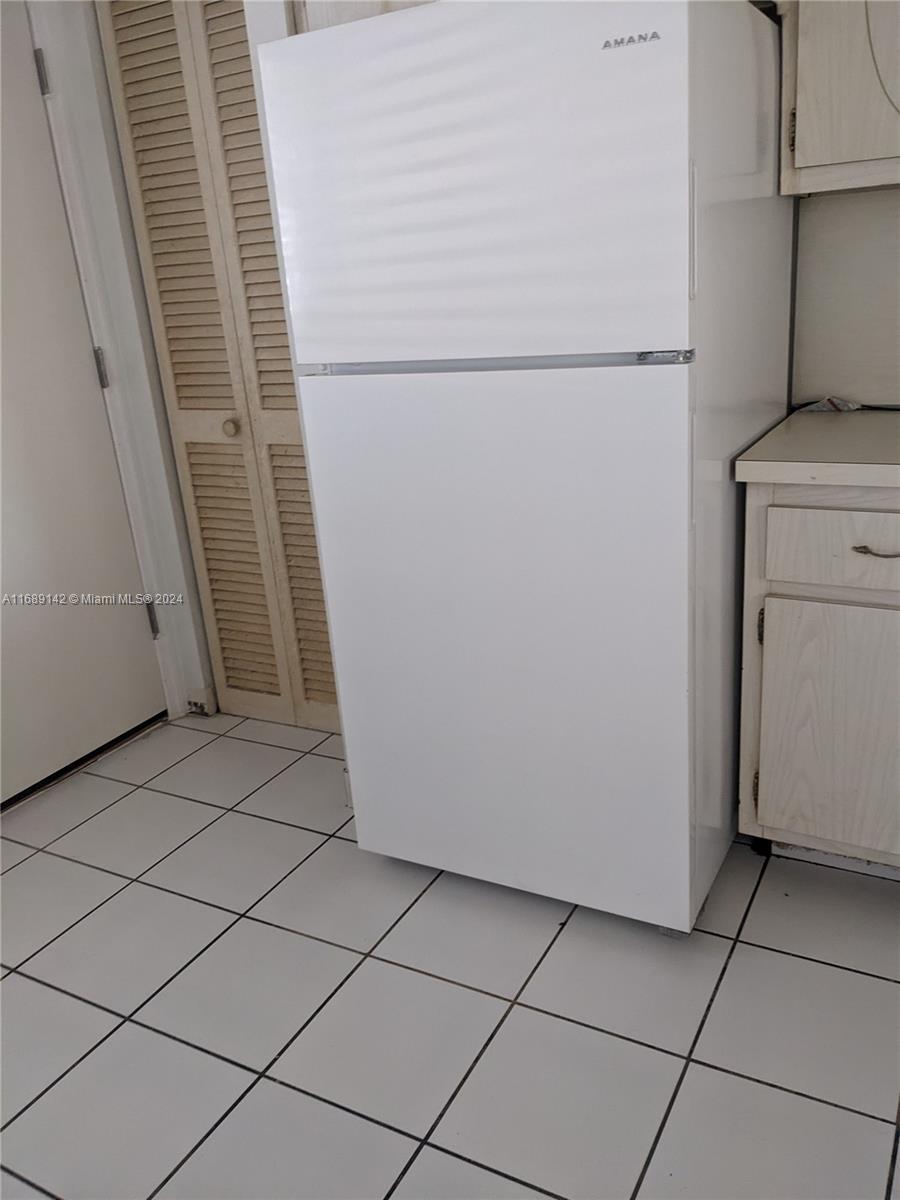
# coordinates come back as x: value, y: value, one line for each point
x: 210, y: 992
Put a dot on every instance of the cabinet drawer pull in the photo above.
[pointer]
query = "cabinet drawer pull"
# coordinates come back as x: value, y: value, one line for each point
x: 874, y: 553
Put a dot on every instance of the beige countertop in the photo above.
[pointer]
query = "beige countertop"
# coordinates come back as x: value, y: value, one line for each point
x: 848, y: 449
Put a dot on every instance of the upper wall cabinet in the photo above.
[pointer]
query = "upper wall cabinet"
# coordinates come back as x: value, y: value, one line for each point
x: 840, y: 95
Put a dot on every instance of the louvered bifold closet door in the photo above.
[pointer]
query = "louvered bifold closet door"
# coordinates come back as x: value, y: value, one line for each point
x: 184, y: 103
x: 226, y: 95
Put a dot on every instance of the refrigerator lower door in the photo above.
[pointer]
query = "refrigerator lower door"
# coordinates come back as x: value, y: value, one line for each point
x: 505, y: 559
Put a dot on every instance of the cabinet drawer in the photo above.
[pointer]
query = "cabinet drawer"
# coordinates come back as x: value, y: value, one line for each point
x: 833, y: 546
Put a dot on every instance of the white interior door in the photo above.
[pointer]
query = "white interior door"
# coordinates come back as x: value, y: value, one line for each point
x: 74, y: 676
x: 483, y: 180
x: 506, y: 570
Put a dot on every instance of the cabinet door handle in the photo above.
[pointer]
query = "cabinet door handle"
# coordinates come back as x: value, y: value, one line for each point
x: 231, y: 427
x: 874, y: 553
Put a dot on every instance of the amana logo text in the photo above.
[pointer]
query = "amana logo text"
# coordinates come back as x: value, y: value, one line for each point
x: 633, y: 39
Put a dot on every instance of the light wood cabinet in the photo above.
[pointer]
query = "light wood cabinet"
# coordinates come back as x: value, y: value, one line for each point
x: 840, y: 94
x: 820, y: 710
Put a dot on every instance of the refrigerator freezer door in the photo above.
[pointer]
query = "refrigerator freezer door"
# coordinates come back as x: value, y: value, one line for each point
x: 466, y: 180
x: 506, y: 568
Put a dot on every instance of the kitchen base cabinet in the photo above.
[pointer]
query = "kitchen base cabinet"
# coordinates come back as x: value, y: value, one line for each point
x: 820, y: 714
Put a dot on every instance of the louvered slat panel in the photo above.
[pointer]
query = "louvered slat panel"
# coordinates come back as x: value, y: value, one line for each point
x: 151, y: 59
x: 222, y: 496
x: 153, y: 85
x: 304, y: 575
x: 232, y: 84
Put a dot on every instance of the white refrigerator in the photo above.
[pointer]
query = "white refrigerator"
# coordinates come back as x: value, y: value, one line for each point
x: 538, y: 280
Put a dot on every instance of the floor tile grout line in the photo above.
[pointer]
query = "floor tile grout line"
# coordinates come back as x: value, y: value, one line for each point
x: 83, y: 862
x: 264, y: 1073
x: 332, y: 1103
x: 256, y: 1071
x: 126, y: 782
x: 139, y: 878
x: 178, y: 722
x: 30, y: 1183
x: 696, y: 1038
x: 622, y: 1037
x: 823, y: 962
x: 211, y: 737
x: 336, y: 833
x: 22, y: 846
x: 533, y: 1187
x: 52, y: 1084
x: 64, y: 775
x: 126, y: 883
x: 780, y: 1087
x: 892, y: 1163
x: 480, y: 1054
x: 129, y: 1017
x: 132, y: 789
x: 836, y: 866
x: 405, y: 966
x: 236, y: 737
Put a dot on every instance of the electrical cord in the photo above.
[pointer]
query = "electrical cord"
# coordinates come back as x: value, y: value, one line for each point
x: 890, y: 98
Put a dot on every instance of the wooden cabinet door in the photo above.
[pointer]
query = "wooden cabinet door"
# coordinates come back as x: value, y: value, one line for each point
x: 848, y: 82
x: 180, y: 77
x: 830, y: 738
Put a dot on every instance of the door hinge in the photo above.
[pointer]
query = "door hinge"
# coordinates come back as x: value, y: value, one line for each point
x: 761, y: 625
x: 41, y: 68
x: 756, y: 787
x: 152, y: 618
x: 792, y: 130
x: 100, y: 363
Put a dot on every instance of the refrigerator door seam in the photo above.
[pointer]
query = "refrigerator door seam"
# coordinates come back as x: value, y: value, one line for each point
x: 533, y: 362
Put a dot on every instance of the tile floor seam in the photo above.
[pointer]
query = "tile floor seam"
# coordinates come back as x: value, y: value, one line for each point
x: 470, y: 987
x: 622, y: 1037
x: 52, y: 1084
x: 780, y: 1087
x: 837, y: 867
x: 231, y: 807
x: 264, y: 1073
x: 534, y: 1187
x: 696, y: 1038
x: 138, y: 879
x: 63, y: 991
x: 176, y: 722
x: 25, y: 846
x: 82, y: 769
x: 212, y: 737
x: 133, y: 786
x: 235, y: 737
x: 129, y: 1018
x: 126, y: 884
x: 394, y: 962
x: 338, y: 1104
x: 480, y: 1054
x: 422, y: 1141
x: 30, y: 1183
x: 822, y: 962
x: 892, y: 1164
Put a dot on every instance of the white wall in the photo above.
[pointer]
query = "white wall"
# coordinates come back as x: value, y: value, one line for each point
x: 847, y: 339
